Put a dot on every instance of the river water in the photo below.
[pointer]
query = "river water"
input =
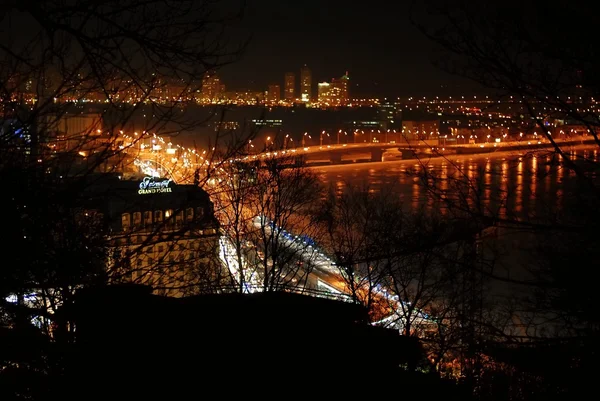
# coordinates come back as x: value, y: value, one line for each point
x: 514, y: 186
x: 507, y: 184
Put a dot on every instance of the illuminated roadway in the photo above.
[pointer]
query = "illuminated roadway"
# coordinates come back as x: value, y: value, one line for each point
x: 318, y: 264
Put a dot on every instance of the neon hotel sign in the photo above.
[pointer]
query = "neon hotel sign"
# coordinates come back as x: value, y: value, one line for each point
x: 150, y: 185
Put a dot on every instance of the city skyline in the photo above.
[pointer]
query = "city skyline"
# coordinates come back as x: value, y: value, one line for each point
x: 356, y: 89
x: 283, y: 37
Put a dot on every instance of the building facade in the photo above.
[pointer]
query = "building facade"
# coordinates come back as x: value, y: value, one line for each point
x: 305, y: 84
x: 290, y: 87
x: 159, y: 234
x: 342, y: 87
x: 323, y: 89
x: 390, y: 114
x: 212, y: 87
x: 420, y: 130
x: 334, y: 93
x: 274, y: 94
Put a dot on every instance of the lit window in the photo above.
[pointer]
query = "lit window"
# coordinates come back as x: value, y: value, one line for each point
x: 147, y: 217
x: 137, y: 219
x: 126, y: 221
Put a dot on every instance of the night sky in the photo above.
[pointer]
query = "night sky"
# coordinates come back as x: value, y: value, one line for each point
x: 375, y: 42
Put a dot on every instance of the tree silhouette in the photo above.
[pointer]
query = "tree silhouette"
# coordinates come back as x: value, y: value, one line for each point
x: 83, y: 86
x: 547, y: 72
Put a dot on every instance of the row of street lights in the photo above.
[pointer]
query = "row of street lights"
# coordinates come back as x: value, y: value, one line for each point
x: 307, y: 138
x: 374, y: 135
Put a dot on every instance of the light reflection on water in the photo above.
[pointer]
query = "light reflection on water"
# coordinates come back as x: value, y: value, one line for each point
x: 508, y: 184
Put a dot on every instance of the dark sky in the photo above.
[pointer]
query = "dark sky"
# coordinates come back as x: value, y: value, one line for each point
x: 374, y: 41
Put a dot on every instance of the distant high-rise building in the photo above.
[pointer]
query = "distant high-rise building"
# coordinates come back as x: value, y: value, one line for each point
x: 274, y: 94
x: 334, y: 93
x: 323, y: 92
x: 290, y: 86
x: 212, y: 88
x: 344, y: 83
x: 305, y: 84
x: 390, y: 114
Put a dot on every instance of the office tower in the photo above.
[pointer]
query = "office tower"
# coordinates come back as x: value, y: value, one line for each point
x: 212, y: 88
x: 274, y: 94
x: 323, y: 92
x: 344, y: 83
x: 305, y: 84
x: 290, y: 86
x: 334, y: 93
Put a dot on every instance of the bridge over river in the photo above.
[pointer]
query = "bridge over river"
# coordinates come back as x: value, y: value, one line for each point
x: 374, y: 152
x: 182, y: 165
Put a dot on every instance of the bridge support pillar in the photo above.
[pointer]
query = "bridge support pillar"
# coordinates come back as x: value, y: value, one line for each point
x: 408, y: 153
x: 377, y: 155
x: 335, y: 157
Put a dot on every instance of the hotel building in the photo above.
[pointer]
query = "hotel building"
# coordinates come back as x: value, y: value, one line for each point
x: 159, y: 233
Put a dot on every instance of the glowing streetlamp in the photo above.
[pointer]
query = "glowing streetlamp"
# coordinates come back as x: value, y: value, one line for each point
x: 304, y: 139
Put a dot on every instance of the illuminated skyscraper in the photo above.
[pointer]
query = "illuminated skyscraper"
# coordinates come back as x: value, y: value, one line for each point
x: 305, y: 84
x: 290, y: 86
x: 212, y: 88
x: 334, y: 93
x: 274, y: 94
x: 323, y: 93
x: 343, y: 84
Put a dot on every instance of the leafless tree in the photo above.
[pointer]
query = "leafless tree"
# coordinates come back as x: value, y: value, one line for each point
x: 356, y: 223
x: 548, y: 72
x: 414, y: 271
x: 83, y: 85
x: 234, y: 208
x: 284, y: 203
